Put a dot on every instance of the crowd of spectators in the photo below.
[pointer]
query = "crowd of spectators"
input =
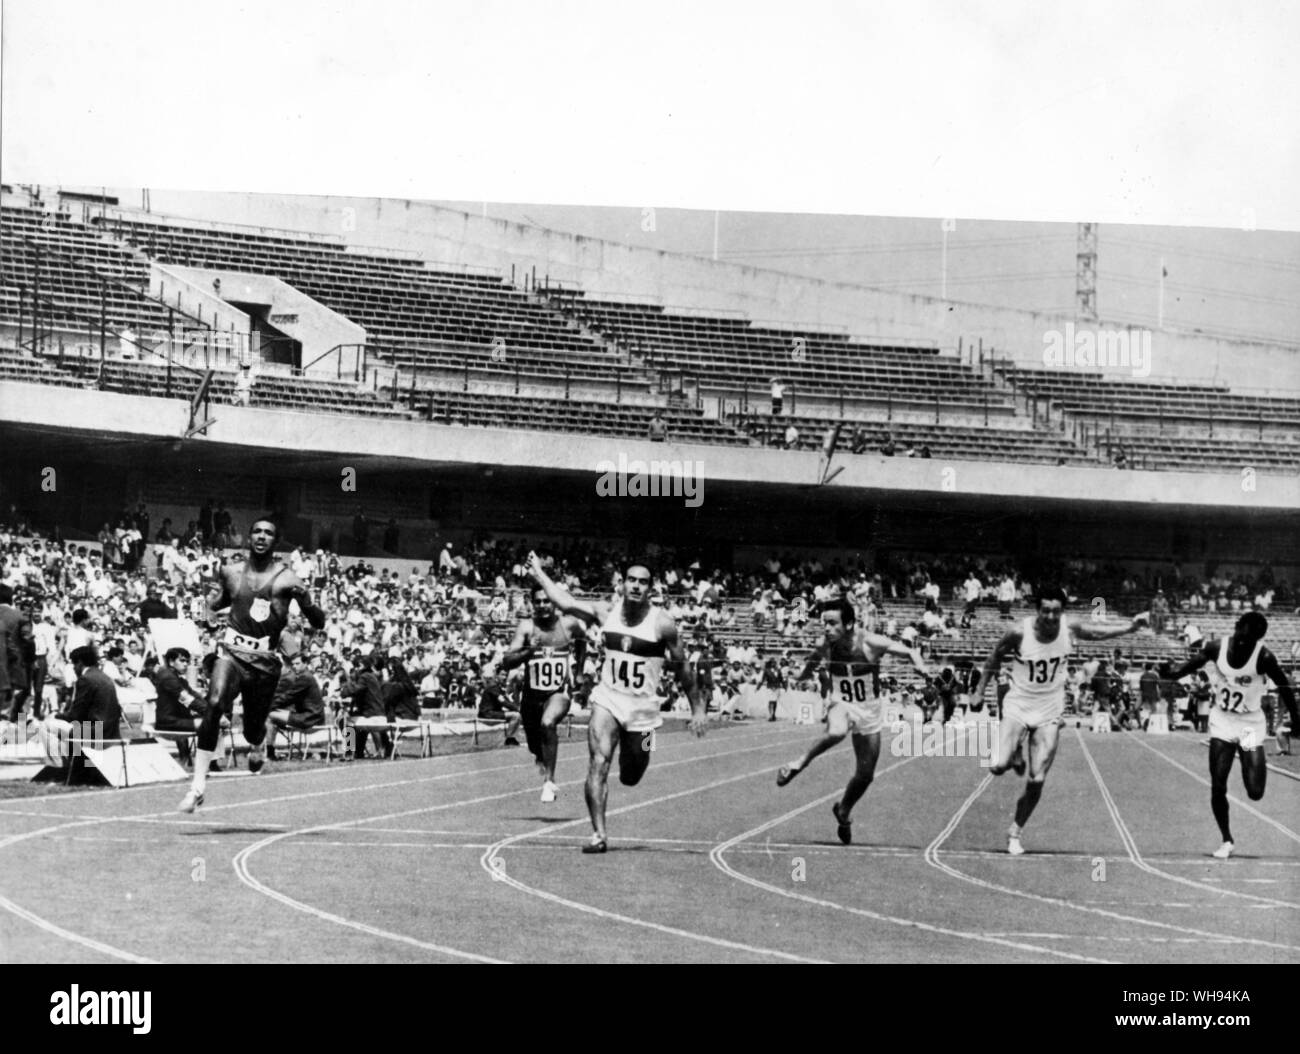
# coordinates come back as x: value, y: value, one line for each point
x: 433, y: 634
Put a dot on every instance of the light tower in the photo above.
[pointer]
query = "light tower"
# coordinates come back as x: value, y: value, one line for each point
x: 1085, y: 272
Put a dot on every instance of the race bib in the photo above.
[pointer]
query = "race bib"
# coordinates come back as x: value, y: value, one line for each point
x: 857, y: 688
x: 260, y: 610
x: 548, y: 673
x: 238, y: 640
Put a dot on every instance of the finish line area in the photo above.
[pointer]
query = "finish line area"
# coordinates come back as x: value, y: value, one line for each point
x: 453, y: 859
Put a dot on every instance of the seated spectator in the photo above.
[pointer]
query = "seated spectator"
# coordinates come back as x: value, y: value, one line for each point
x: 170, y: 713
x: 298, y: 705
x: 94, y: 714
x: 858, y: 442
x: 401, y: 698
x: 888, y: 448
x: 496, y: 705
x: 366, y: 705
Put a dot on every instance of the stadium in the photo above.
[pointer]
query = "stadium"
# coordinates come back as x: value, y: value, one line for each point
x: 419, y: 395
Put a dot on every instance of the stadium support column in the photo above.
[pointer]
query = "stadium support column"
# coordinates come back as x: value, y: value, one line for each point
x: 1085, y: 272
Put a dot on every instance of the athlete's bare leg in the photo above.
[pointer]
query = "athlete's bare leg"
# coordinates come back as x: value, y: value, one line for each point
x: 1222, y: 754
x: 602, y: 736
x: 1043, y: 742
x: 867, y: 749
x: 837, y: 727
x: 557, y: 707
x: 634, y: 755
x: 1010, y: 733
x: 225, y: 684
x: 1254, y: 773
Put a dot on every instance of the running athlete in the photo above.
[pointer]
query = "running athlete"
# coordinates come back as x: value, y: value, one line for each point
x: 1238, y: 667
x: 638, y: 639
x: 256, y: 596
x: 1035, y: 701
x: 546, y: 645
x: 852, y: 657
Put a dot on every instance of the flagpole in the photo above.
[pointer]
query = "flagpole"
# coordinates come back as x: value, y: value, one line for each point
x: 1160, y: 307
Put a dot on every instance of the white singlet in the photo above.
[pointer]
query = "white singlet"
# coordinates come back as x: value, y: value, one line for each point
x: 1237, y: 699
x: 631, y: 670
x: 1038, y: 675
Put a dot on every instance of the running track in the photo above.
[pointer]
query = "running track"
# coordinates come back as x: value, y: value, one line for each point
x: 453, y: 859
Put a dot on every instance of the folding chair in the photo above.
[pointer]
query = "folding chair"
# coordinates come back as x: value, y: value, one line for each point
x: 403, y: 728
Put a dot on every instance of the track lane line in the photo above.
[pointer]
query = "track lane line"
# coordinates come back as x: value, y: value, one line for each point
x: 240, y: 861
x: 716, y: 855
x: 932, y: 857
x: 1135, y: 855
x: 13, y: 908
x: 1247, y: 806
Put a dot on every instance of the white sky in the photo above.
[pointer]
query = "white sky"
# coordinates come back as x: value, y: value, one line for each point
x: 1154, y: 112
x: 1180, y: 114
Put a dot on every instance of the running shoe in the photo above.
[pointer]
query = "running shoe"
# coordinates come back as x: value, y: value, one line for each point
x: 1224, y: 851
x: 192, y: 800
x: 844, y: 827
x: 549, y: 791
x: 1014, y: 848
x: 596, y: 845
x: 256, y: 757
x: 786, y: 774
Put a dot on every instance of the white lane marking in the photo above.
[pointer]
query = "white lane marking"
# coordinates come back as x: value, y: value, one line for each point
x: 716, y: 854
x: 1240, y: 803
x: 241, y: 859
x: 1130, y: 843
x: 490, y: 860
x: 932, y: 856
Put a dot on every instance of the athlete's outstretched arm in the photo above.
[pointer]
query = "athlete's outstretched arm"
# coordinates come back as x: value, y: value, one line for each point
x: 587, y: 610
x: 1272, y: 669
x: 1093, y: 631
x: 893, y: 647
x: 521, y: 648
x: 1003, y: 650
x: 685, y: 675
x: 813, y: 661
x: 1208, y: 653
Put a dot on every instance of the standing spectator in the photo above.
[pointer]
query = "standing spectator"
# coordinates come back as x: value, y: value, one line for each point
x: 221, y: 521
x: 1149, y: 690
x: 658, y: 428
x: 778, y: 397
x: 17, y: 653
x: 360, y: 532
x: 1006, y: 596
x: 1159, y: 612
x: 791, y: 436
x: 205, y: 520
x: 971, y: 588
x: 243, y: 386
